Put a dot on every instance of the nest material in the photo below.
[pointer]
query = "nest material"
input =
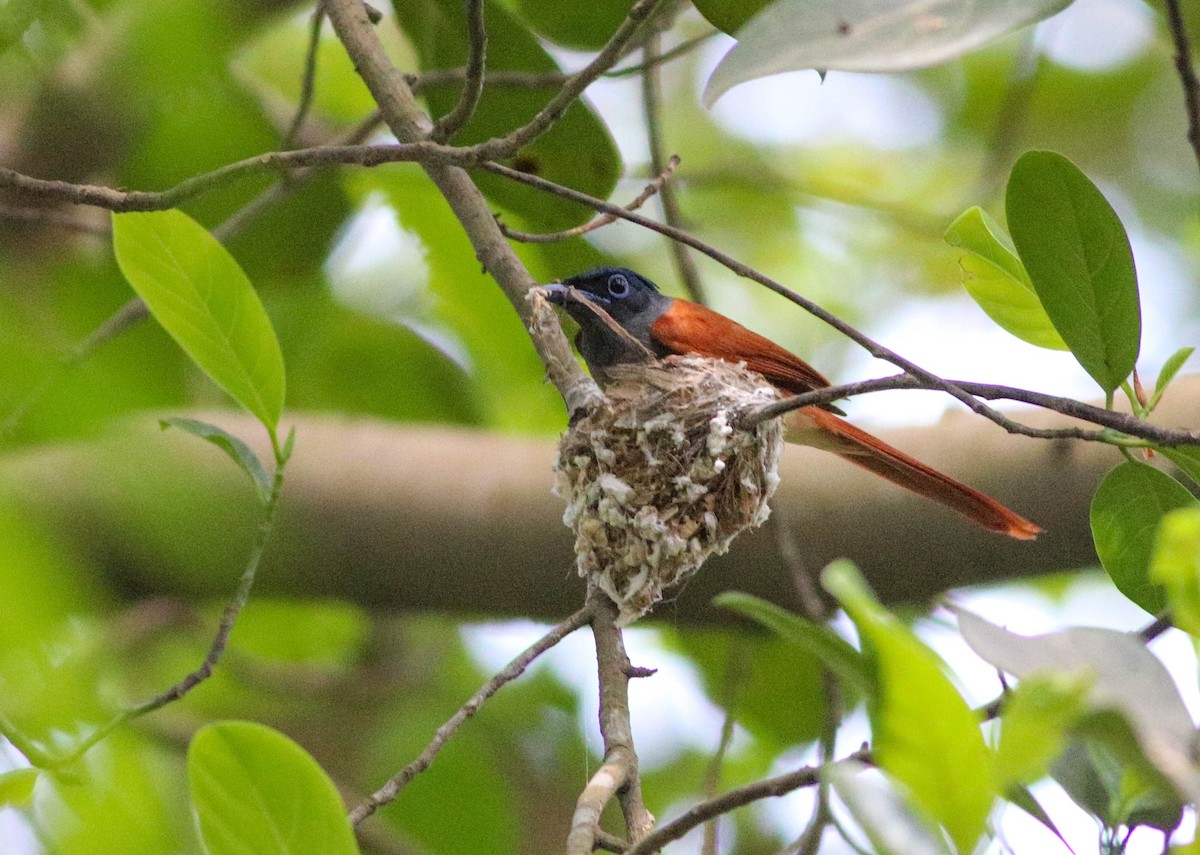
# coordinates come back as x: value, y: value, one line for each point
x: 659, y: 477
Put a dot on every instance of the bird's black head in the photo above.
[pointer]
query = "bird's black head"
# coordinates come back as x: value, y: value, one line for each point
x: 633, y: 301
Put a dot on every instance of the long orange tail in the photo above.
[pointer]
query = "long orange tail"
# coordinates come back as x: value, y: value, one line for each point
x: 824, y: 430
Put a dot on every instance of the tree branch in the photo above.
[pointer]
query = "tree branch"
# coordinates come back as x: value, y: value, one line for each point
x: 448, y: 125
x: 619, y: 774
x: 685, y: 266
x: 309, y: 77
x: 511, y: 143
x: 932, y: 381
x: 767, y: 788
x: 1187, y: 73
x: 1110, y: 419
x: 603, y: 220
x: 514, y: 669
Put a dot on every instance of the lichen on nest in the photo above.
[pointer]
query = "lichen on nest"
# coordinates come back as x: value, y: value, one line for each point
x: 660, y: 476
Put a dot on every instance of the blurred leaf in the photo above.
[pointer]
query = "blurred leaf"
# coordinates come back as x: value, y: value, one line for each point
x: 1126, y: 510
x: 17, y: 16
x: 1078, y: 257
x: 1138, y: 794
x: 240, y: 453
x: 1033, y: 725
x: 16, y: 787
x: 1175, y: 564
x: 121, y: 797
x: 255, y: 790
x: 867, y: 35
x: 729, y: 15
x: 329, y: 633
x: 1077, y: 774
x: 1022, y: 798
x: 890, y: 824
x: 917, y: 715
x: 772, y: 688
x: 581, y: 26
x: 577, y: 150
x: 1123, y: 676
x: 836, y: 653
x: 995, y: 278
x: 199, y: 294
x: 342, y: 360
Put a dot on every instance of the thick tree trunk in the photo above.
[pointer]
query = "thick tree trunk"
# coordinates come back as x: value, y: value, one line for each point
x: 400, y: 517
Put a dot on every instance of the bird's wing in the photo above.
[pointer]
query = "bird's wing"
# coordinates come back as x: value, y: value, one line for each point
x: 691, y: 328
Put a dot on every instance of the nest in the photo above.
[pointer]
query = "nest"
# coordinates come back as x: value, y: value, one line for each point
x: 660, y: 477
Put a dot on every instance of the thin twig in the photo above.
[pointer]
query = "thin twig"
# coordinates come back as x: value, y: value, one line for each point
x: 735, y: 672
x: 448, y: 125
x: 809, y: 842
x: 685, y: 265
x: 510, y: 672
x: 932, y: 381
x: 658, y: 184
x: 309, y: 77
x: 1111, y: 420
x: 434, y: 77
x: 664, y: 57
x: 609, y: 842
x: 618, y: 775
x: 511, y: 143
x: 274, y: 161
x: 1187, y: 74
x: 767, y: 788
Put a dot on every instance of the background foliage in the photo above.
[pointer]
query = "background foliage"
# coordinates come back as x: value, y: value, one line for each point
x: 843, y: 189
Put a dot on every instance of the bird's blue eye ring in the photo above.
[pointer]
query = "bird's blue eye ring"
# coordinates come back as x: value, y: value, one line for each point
x: 618, y: 286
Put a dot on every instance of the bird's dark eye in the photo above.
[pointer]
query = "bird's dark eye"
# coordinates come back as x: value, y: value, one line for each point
x: 618, y: 285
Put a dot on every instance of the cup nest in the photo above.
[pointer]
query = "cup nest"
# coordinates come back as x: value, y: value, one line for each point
x: 659, y: 476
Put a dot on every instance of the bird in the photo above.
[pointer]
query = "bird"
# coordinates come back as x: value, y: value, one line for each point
x: 640, y: 322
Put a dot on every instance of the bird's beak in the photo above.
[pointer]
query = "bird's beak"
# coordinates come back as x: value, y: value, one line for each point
x: 557, y: 293
x: 567, y: 295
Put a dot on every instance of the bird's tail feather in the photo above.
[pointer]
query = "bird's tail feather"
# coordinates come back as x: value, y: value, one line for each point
x: 824, y: 430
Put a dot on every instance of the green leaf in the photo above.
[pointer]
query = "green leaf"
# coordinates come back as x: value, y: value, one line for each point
x: 996, y: 279
x: 1033, y: 726
x: 868, y: 35
x: 327, y: 634
x: 1079, y: 261
x: 919, y: 715
x: 240, y: 453
x: 582, y: 26
x: 1175, y: 564
x: 729, y: 15
x: 837, y: 654
x: 16, y: 787
x: 891, y: 825
x: 578, y: 150
x: 1126, y: 510
x: 200, y: 296
x: 256, y: 791
x: 1169, y: 370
